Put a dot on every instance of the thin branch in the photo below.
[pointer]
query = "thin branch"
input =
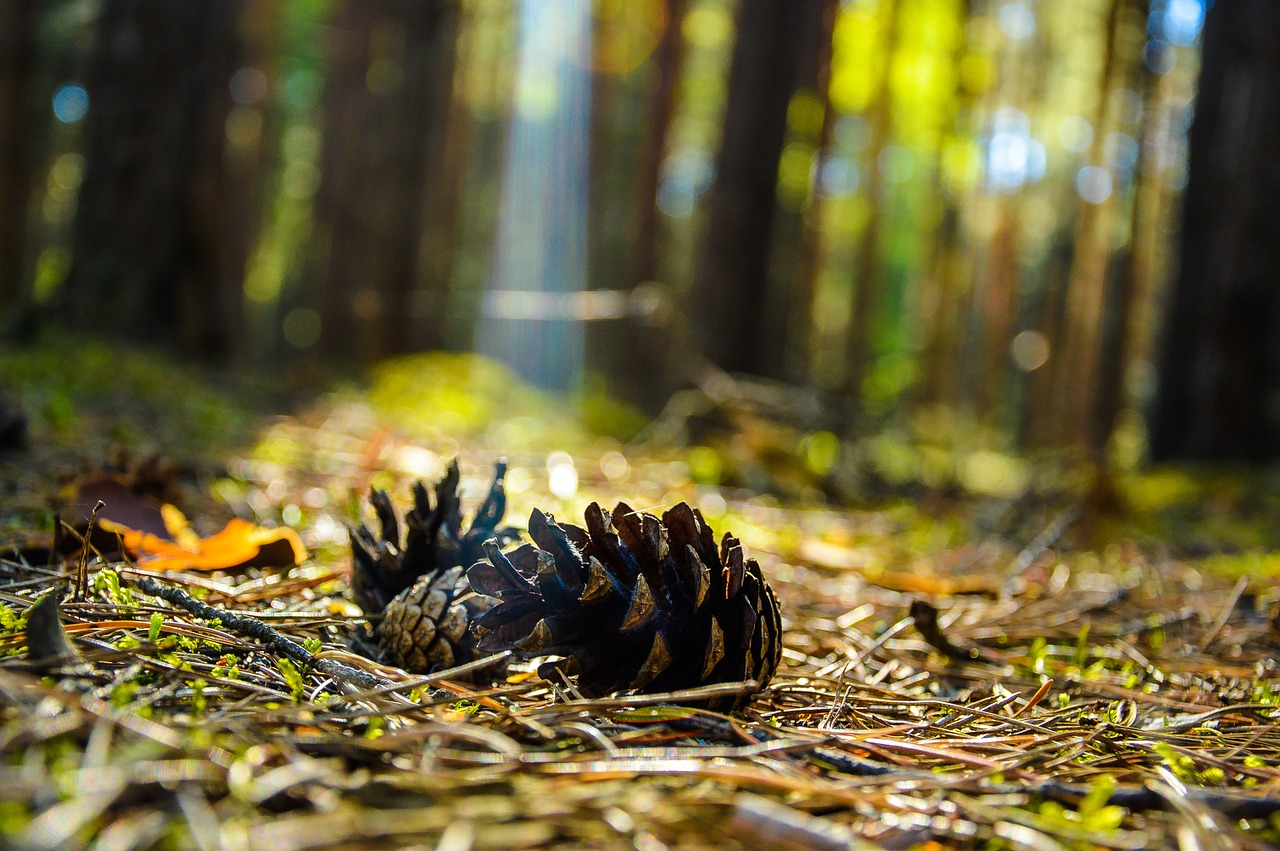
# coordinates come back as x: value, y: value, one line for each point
x: 256, y: 629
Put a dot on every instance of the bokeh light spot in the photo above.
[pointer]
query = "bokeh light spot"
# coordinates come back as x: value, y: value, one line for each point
x: 614, y: 466
x: 1014, y: 157
x: 301, y: 327
x: 67, y: 171
x: 1017, y: 21
x: 707, y: 26
x: 820, y: 451
x: 70, y: 103
x: 1182, y: 21
x: 1075, y: 133
x: 1093, y: 184
x: 896, y: 163
x: 248, y: 86
x: 562, y: 475
x: 1029, y: 350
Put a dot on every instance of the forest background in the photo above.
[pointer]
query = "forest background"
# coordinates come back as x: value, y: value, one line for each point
x: 1025, y: 227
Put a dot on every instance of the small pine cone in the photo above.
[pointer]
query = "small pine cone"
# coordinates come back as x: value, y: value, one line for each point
x: 426, y: 628
x: 632, y: 602
x: 434, y: 540
x: 420, y: 589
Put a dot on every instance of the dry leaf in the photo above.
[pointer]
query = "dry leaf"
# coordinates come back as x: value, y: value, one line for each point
x: 240, y: 544
x: 160, y: 537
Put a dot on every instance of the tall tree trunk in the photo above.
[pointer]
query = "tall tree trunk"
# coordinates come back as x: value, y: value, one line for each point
x: 1219, y: 382
x: 250, y: 160
x: 731, y: 295
x: 449, y: 144
x: 866, y: 277
x: 798, y: 248
x: 664, y: 74
x: 645, y: 378
x: 386, y: 108
x: 947, y: 270
x: 148, y: 260
x: 1076, y: 368
x: 348, y: 112
x: 1133, y: 285
x: 18, y: 25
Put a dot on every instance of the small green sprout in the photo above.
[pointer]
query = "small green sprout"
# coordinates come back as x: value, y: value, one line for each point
x: 198, y: 701
x: 293, y: 678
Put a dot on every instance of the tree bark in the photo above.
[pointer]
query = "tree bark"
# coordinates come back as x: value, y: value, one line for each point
x: 1219, y: 381
x: 148, y: 260
x: 659, y: 111
x: 18, y: 24
x: 798, y: 243
x: 732, y: 287
x: 386, y: 109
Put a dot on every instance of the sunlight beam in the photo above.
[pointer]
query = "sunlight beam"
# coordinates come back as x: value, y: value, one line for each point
x: 541, y: 244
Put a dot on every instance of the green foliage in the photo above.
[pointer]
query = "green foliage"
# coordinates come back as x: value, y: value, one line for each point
x: 106, y: 583
x: 1182, y: 766
x: 1081, y: 656
x: 125, y: 693
x: 198, y: 701
x: 12, y: 622
x: 14, y: 816
x: 293, y: 678
x: 1093, y: 814
x: 227, y: 667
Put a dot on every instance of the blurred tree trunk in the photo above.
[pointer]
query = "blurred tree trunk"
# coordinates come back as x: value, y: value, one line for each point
x: 423, y: 288
x: 348, y: 114
x: 149, y: 261
x: 1076, y: 368
x: 18, y: 25
x: 860, y: 349
x: 252, y: 159
x: 949, y: 276
x: 385, y: 130
x: 732, y: 288
x: 798, y: 248
x: 1219, y: 382
x: 645, y: 376
x: 1133, y: 279
x: 665, y: 73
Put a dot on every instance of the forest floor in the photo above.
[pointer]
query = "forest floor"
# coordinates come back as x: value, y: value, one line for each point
x: 1075, y: 671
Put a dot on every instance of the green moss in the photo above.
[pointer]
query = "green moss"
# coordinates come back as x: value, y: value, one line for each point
x: 453, y: 395
x: 141, y: 399
x: 1248, y: 564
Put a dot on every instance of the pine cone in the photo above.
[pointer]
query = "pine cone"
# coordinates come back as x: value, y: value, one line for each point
x: 632, y: 602
x: 420, y: 588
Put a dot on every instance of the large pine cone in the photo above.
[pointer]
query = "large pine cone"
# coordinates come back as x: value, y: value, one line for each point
x: 420, y: 589
x: 632, y: 602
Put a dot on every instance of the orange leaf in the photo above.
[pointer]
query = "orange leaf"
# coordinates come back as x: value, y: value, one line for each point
x: 240, y: 544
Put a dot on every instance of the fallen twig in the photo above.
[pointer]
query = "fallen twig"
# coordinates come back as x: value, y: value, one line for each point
x: 925, y: 617
x: 255, y: 628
